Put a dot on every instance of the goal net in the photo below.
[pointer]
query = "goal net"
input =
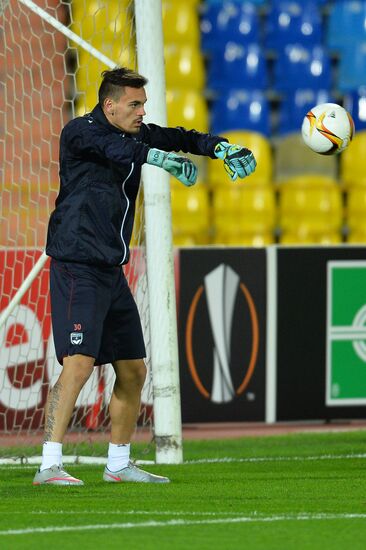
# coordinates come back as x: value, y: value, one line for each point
x: 47, y: 78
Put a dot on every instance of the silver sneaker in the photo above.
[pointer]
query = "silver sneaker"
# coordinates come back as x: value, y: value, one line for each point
x: 55, y: 476
x: 133, y: 473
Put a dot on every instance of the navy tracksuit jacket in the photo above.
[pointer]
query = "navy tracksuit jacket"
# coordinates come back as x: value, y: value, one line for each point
x: 100, y: 168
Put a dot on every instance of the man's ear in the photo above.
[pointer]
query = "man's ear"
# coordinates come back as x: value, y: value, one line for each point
x: 108, y: 106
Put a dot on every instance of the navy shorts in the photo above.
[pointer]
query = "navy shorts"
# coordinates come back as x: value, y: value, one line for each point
x: 94, y: 313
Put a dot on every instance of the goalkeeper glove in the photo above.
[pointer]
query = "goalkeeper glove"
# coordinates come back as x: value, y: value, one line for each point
x: 238, y: 161
x: 180, y: 167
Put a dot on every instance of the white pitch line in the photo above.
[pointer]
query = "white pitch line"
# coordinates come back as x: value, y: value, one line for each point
x: 182, y: 523
x: 229, y: 460
x: 254, y: 459
x: 233, y: 460
x: 122, y: 512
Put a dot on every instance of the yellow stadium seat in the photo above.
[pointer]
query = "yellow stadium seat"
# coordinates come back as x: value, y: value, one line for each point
x: 245, y: 214
x: 262, y: 151
x: 190, y: 215
x: 293, y: 158
x: 353, y: 161
x: 184, y: 67
x: 356, y: 213
x: 187, y: 108
x: 86, y: 101
x: 357, y: 236
x: 138, y: 233
x: 181, y: 23
x: 310, y: 210
x: 190, y: 240
x: 311, y: 180
x: 244, y: 239
x: 98, y: 20
x: 307, y: 236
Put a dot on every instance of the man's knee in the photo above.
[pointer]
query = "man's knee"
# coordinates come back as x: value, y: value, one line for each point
x: 141, y: 372
x: 131, y: 372
x: 76, y: 370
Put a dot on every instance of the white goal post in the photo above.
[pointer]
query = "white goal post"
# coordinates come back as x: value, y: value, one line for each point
x: 163, y: 344
x: 159, y: 247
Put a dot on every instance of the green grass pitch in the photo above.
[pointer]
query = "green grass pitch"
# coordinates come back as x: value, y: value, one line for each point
x: 303, y: 491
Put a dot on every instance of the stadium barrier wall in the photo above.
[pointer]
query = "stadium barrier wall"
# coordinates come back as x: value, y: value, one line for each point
x: 321, y: 333
x: 275, y: 334
x: 300, y: 356
x: 28, y: 364
x: 222, y: 334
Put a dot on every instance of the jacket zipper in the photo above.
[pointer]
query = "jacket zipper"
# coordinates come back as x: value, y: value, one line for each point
x: 124, y: 217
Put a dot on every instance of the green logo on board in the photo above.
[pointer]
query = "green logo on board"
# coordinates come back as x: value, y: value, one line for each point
x: 346, y: 333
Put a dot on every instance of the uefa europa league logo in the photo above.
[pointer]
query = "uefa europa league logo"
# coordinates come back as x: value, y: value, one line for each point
x: 223, y: 289
x: 221, y: 286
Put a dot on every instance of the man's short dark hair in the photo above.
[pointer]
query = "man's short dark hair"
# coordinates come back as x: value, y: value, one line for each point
x: 115, y: 80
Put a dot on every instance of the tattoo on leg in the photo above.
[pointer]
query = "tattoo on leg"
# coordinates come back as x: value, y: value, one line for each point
x: 54, y: 400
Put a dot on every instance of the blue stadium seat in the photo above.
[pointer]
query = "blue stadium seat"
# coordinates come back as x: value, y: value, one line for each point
x: 319, y: 3
x: 355, y: 103
x: 352, y: 67
x: 300, y: 67
x: 346, y: 24
x: 241, y: 110
x: 255, y: 2
x: 296, y: 104
x: 290, y: 22
x: 237, y: 66
x: 228, y: 21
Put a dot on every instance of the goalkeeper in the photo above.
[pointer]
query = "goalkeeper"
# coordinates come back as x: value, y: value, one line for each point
x: 94, y: 317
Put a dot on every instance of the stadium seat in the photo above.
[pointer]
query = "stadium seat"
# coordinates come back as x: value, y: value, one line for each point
x: 318, y: 3
x: 346, y: 24
x: 301, y: 67
x: 190, y: 215
x: 306, y: 235
x: 244, y: 215
x: 291, y: 22
x: 355, y: 103
x: 352, y: 66
x: 353, y: 162
x: 241, y: 110
x: 101, y: 22
x: 357, y: 236
x: 295, y: 104
x: 181, y: 23
x: 86, y: 101
x: 356, y: 213
x: 187, y: 108
x: 301, y: 160
x: 311, y: 208
x: 255, y: 2
x: 228, y: 21
x: 184, y: 67
x: 237, y: 66
x: 138, y: 233
x: 261, y: 148
x: 259, y: 239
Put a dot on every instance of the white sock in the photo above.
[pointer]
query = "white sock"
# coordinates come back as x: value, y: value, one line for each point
x: 118, y: 456
x: 51, y: 454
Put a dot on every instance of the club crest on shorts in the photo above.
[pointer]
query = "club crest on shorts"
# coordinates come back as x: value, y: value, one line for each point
x: 76, y: 338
